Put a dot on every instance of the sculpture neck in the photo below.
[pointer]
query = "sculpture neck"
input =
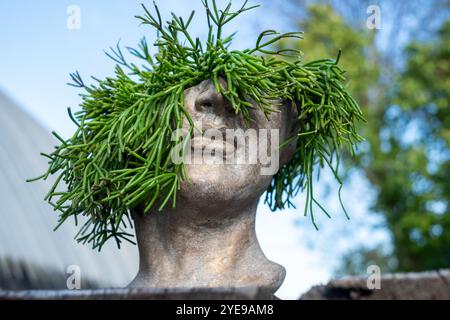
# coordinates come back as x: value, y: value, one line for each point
x: 208, y: 247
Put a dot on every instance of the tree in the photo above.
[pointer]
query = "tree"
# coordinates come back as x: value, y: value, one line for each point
x: 416, y: 201
x: 405, y: 98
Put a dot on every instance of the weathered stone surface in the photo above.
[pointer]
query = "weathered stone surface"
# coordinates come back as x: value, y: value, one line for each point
x: 247, y: 293
x: 401, y: 286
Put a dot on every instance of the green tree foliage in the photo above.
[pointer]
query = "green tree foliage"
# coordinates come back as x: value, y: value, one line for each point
x: 406, y: 154
x: 415, y: 200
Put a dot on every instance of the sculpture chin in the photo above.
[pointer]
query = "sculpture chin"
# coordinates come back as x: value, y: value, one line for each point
x: 219, y: 183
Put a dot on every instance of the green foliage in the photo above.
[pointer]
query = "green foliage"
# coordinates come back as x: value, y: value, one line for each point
x: 406, y: 153
x: 417, y: 201
x: 119, y: 157
x: 355, y: 262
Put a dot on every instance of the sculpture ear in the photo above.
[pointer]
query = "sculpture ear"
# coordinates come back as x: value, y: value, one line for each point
x: 290, y: 129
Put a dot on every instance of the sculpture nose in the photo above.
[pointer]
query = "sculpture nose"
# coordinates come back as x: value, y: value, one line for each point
x: 211, y: 101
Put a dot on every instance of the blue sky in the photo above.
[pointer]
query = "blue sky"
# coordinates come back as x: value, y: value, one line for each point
x: 38, y: 52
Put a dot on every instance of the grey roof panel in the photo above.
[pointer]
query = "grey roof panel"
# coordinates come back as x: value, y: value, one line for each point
x: 26, y: 221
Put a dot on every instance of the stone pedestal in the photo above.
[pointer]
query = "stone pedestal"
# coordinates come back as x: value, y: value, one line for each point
x: 247, y: 293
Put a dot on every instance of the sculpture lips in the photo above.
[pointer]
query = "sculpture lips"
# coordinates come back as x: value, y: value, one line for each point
x: 211, y: 141
x: 209, y: 146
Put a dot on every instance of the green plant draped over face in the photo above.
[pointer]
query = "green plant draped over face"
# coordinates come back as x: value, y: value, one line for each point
x: 119, y: 156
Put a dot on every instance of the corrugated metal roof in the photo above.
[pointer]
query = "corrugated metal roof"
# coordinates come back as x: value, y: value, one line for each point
x: 26, y: 221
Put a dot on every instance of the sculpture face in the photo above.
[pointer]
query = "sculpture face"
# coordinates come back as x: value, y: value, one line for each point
x: 238, y: 160
x: 209, y: 238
